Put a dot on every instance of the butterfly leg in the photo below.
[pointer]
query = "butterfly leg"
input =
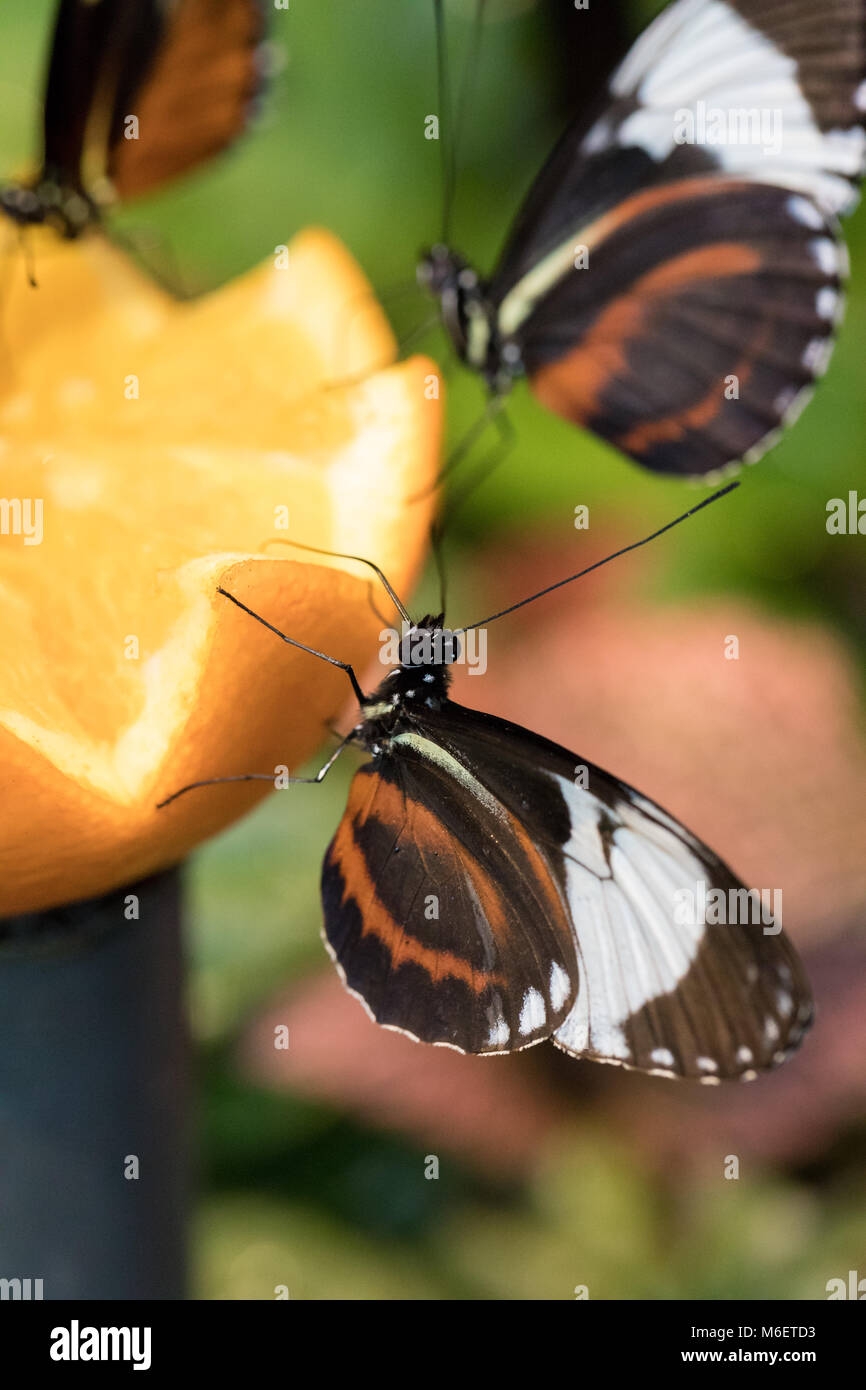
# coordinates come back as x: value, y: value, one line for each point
x: 487, y: 466
x: 264, y: 776
x: 323, y: 656
x: 492, y: 415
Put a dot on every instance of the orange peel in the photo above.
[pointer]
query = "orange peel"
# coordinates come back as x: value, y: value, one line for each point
x: 126, y: 675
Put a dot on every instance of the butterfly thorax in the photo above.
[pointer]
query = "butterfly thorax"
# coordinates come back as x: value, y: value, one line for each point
x: 419, y: 683
x: 470, y: 317
x: 48, y: 199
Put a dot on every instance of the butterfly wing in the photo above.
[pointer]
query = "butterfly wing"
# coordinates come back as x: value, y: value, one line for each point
x: 186, y: 69
x: 442, y: 915
x: 699, y: 328
x: 196, y: 97
x: 627, y: 234
x: 663, y: 987
x: 85, y: 38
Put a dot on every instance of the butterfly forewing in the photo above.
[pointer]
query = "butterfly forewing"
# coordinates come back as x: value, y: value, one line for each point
x: 442, y: 912
x: 661, y: 984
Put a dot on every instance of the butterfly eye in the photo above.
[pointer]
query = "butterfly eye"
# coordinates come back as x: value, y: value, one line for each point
x: 450, y: 646
x: 425, y: 646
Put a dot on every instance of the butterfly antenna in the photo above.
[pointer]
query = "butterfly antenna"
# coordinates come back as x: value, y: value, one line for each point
x: 444, y: 99
x: 467, y: 85
x: 340, y: 555
x: 437, y: 539
x: 635, y: 545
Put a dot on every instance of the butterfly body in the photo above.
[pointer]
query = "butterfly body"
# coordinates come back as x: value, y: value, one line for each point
x: 68, y: 209
x: 673, y: 281
x: 477, y: 896
x: 470, y: 317
x: 137, y: 93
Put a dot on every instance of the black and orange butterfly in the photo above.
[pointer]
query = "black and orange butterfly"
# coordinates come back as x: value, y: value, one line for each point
x: 565, y: 911
x: 186, y: 70
x: 674, y: 279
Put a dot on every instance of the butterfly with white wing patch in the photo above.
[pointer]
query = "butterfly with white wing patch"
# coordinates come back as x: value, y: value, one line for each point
x: 680, y: 295
x: 476, y: 898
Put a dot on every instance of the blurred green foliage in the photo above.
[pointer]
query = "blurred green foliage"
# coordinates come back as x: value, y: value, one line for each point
x: 295, y: 1194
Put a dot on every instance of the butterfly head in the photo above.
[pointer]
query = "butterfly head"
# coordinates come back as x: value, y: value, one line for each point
x: 427, y: 650
x: 466, y: 314
x: 22, y: 204
x: 429, y: 647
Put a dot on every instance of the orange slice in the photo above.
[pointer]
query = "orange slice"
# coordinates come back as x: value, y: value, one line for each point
x: 166, y: 445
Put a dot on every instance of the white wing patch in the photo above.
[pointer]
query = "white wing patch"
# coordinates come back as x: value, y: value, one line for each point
x: 659, y: 987
x: 533, y: 1014
x: 702, y: 52
x: 623, y: 903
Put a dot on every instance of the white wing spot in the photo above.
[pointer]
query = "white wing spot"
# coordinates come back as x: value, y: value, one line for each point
x: 707, y: 1064
x: 771, y: 1030
x: 662, y: 1056
x: 817, y: 356
x: 499, y: 1033
x: 533, y: 1014
x: 827, y: 303
x: 745, y: 1054
x: 560, y: 986
x: 825, y: 253
x: 805, y: 212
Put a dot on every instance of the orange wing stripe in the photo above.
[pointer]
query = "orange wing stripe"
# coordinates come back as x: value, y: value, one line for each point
x: 573, y: 386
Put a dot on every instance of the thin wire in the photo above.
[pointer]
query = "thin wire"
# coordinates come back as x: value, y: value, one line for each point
x: 606, y: 561
x: 339, y: 555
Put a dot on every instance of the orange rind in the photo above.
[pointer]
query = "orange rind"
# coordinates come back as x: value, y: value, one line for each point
x: 126, y: 675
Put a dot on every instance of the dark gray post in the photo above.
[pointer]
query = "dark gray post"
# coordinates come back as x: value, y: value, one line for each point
x: 94, y: 1076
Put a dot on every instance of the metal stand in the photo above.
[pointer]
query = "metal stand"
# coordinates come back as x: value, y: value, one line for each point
x: 93, y: 1099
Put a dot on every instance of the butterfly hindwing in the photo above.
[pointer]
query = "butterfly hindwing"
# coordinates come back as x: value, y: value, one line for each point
x: 701, y: 325
x: 661, y: 986
x: 442, y: 914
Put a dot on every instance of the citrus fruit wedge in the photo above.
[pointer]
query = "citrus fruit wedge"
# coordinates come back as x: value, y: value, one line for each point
x: 151, y: 451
